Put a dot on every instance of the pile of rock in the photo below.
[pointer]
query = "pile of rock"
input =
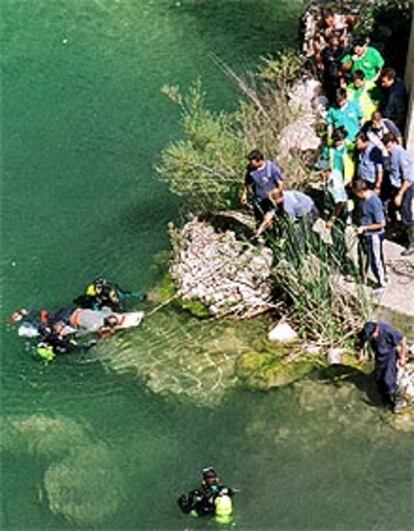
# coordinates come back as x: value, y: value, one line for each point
x: 230, y: 276
x: 306, y: 101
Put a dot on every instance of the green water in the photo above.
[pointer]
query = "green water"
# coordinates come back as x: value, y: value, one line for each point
x: 108, y: 440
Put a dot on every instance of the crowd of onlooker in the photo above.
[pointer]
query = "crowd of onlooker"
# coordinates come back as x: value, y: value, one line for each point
x: 368, y: 173
x: 368, y: 177
x: 366, y: 166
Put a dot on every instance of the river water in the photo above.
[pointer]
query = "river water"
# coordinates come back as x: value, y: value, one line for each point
x: 109, y: 439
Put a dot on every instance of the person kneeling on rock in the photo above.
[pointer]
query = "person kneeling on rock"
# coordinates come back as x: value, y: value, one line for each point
x: 390, y: 352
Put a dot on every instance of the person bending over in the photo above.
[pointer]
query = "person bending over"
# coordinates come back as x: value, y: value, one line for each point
x: 390, y: 352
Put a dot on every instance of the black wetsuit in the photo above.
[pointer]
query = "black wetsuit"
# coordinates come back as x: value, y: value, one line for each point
x: 65, y: 345
x: 111, y: 296
x: 202, y: 500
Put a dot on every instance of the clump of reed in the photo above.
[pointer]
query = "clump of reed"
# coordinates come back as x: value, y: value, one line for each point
x: 309, y: 278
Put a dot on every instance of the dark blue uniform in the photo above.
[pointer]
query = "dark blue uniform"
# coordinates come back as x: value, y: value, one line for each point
x: 386, y: 357
x: 262, y: 182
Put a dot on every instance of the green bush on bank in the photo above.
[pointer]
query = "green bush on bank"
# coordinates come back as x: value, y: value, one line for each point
x: 207, y: 167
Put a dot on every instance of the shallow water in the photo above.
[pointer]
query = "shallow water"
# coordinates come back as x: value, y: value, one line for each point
x: 109, y: 439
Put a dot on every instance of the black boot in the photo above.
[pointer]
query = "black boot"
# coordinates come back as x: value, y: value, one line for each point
x: 410, y: 249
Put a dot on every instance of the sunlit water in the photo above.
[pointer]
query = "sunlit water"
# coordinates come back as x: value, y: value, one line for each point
x: 110, y: 438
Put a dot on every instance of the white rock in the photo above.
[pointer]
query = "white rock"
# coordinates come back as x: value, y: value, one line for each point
x: 334, y: 356
x: 282, y: 333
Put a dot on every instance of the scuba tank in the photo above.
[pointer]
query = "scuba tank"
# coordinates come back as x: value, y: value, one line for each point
x: 223, y: 508
x: 45, y: 351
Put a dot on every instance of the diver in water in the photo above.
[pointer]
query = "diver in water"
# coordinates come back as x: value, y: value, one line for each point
x: 103, y: 293
x: 56, y: 341
x: 211, y: 499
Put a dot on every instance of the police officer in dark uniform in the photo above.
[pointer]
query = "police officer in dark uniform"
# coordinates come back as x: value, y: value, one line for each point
x: 390, y: 350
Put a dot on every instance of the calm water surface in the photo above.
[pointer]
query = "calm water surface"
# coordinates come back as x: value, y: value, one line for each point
x: 109, y: 439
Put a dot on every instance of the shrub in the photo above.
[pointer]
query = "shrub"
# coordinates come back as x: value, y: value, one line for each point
x: 207, y: 167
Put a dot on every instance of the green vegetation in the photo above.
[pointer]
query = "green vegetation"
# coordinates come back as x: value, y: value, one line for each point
x: 206, y: 168
x: 266, y: 371
x: 308, y: 278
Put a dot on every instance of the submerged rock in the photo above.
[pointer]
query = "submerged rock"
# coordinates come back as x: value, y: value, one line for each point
x: 267, y: 371
x: 84, y: 487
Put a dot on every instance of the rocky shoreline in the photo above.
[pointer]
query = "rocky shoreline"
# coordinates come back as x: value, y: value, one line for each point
x: 215, y: 271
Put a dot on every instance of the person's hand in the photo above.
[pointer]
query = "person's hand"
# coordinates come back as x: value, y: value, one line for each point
x: 398, y: 200
x: 362, y: 358
x: 360, y: 230
x: 402, y: 362
x: 329, y: 224
x: 243, y: 199
x: 355, y: 57
x: 377, y: 190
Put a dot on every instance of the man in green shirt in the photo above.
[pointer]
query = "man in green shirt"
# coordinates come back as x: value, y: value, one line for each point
x: 346, y: 114
x: 365, y: 58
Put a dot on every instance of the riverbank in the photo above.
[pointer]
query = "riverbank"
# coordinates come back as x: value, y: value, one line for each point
x: 282, y: 113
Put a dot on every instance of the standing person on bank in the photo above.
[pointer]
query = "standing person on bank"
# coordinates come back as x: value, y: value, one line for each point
x: 261, y: 177
x: 346, y: 114
x: 365, y: 58
x: 394, y: 105
x: 370, y: 162
x: 390, y: 351
x: 402, y: 186
x: 371, y: 224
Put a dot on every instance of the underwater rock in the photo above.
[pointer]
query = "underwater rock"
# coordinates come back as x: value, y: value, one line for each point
x: 403, y: 421
x: 282, y: 333
x: 229, y: 276
x: 41, y: 434
x: 85, y: 486
x: 176, y: 354
x: 266, y: 371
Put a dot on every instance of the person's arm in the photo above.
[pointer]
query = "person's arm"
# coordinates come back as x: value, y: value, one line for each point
x: 246, y: 189
x: 335, y: 214
x: 378, y: 62
x: 362, y: 355
x: 402, y: 352
x: 346, y: 63
x: 392, y: 128
x: 399, y: 197
x: 277, y: 177
x: 372, y: 227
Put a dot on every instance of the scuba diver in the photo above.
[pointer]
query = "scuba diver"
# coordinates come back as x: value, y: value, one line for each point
x: 32, y: 323
x: 101, y: 292
x: 56, y: 341
x: 211, y: 499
